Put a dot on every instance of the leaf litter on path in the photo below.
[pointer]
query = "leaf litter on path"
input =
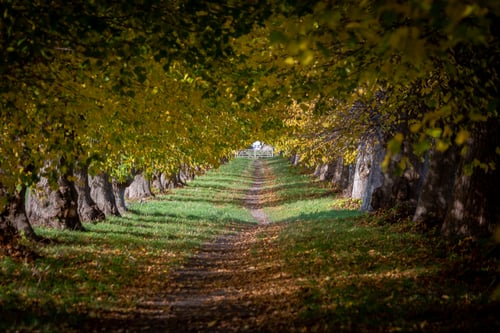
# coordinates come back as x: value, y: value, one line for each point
x: 233, y: 284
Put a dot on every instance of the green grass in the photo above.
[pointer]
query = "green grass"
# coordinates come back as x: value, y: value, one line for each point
x: 358, y: 274
x: 347, y: 271
x: 115, y: 263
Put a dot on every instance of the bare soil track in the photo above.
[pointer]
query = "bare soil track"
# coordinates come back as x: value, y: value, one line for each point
x: 233, y: 284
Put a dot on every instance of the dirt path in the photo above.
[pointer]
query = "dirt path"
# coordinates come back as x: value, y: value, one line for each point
x: 254, y: 199
x: 224, y: 288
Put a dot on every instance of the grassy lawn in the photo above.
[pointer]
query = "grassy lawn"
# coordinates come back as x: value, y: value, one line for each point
x: 119, y: 262
x: 357, y: 273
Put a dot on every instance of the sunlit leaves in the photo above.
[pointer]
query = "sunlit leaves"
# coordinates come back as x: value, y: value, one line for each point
x: 174, y: 82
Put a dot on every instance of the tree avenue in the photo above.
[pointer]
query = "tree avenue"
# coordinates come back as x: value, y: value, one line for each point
x: 406, y: 92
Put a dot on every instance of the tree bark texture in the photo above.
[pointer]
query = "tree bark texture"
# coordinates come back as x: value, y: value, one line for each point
x: 186, y: 173
x: 474, y: 209
x: 362, y: 170
x: 436, y: 192
x: 158, y: 182
x: 175, y: 180
x: 119, y: 189
x: 101, y: 191
x: 54, y: 207
x: 400, y: 188
x: 375, y: 177
x: 340, y: 174
x: 13, y: 218
x: 336, y: 173
x: 140, y: 188
x: 87, y: 208
x: 295, y: 159
x: 322, y: 171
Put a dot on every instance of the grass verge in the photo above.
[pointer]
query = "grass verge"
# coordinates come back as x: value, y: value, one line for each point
x: 356, y: 274
x: 117, y: 263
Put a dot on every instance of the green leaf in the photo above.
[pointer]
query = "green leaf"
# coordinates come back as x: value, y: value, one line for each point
x: 278, y: 37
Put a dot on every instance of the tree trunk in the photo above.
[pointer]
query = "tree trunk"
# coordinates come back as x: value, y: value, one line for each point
x: 295, y: 159
x: 87, y: 208
x: 474, y: 209
x: 140, y: 188
x: 13, y: 218
x: 437, y: 188
x: 166, y: 181
x: 339, y: 175
x: 101, y: 192
x: 347, y: 192
x: 375, y: 178
x: 186, y: 173
x: 400, y: 187
x: 57, y: 208
x: 322, y: 171
x: 159, y: 183
x: 119, y: 189
x: 362, y: 170
x: 176, y: 181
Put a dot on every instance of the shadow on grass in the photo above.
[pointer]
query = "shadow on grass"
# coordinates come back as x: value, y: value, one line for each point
x: 240, y: 202
x: 50, y: 318
x: 320, y: 216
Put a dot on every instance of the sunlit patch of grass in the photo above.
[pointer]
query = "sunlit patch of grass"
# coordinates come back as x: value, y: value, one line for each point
x: 118, y: 262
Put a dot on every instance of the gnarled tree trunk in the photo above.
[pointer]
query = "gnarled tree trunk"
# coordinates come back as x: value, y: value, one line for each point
x: 342, y: 176
x: 57, y: 208
x: 321, y: 171
x: 101, y: 191
x: 362, y: 170
x: 87, y: 208
x: 167, y: 182
x: 13, y: 218
x: 295, y: 159
x: 437, y: 188
x: 140, y: 188
x: 375, y: 177
x: 158, y: 182
x: 175, y: 180
x: 398, y: 188
x: 186, y: 173
x: 119, y: 189
x: 474, y: 209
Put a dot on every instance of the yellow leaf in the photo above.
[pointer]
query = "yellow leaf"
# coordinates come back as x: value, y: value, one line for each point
x: 434, y: 132
x: 414, y: 128
x: 442, y: 145
x: 462, y: 136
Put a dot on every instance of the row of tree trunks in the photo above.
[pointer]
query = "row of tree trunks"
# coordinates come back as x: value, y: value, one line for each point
x: 162, y: 182
x: 338, y: 174
x: 442, y: 189
x: 74, y: 198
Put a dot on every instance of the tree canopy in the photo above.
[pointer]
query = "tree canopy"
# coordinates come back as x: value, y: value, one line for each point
x: 155, y: 84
